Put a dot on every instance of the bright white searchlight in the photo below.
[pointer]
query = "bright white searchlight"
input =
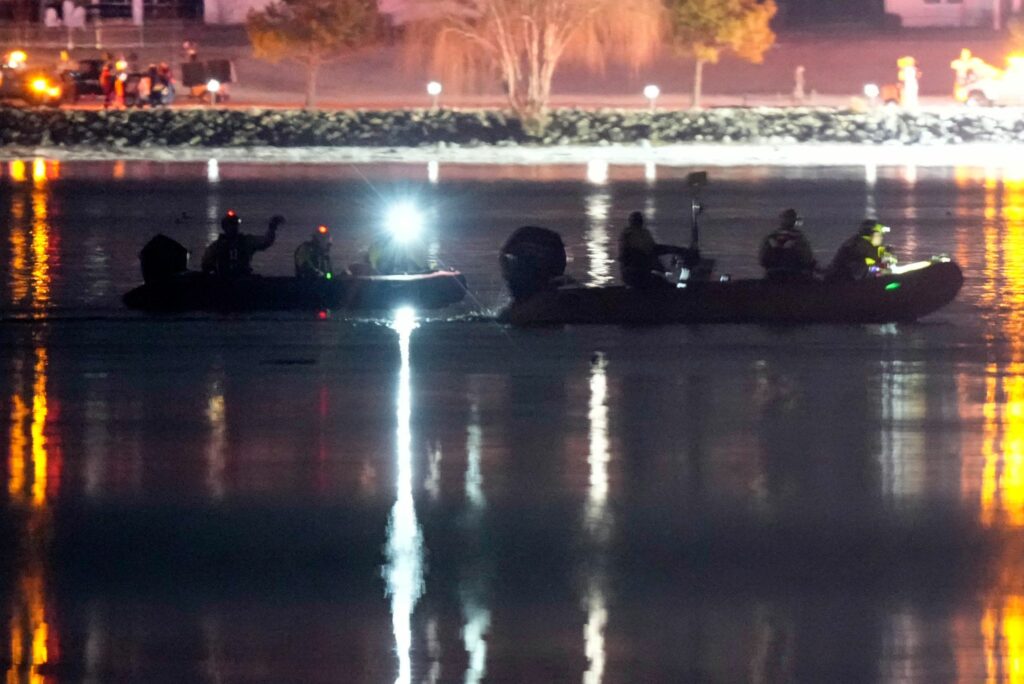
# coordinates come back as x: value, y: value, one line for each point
x: 405, y: 222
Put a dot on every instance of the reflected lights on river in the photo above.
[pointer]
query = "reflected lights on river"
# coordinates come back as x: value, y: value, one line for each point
x: 1002, y: 467
x: 903, y: 452
x: 215, y: 450
x: 30, y: 236
x: 472, y: 591
x: 597, y: 522
x: 31, y: 477
x: 1002, y: 478
x: 598, y: 204
x: 597, y: 171
x: 870, y: 181
x: 403, y: 573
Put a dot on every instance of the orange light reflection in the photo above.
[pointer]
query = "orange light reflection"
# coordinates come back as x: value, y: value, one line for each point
x: 1002, y: 469
x: 29, y: 483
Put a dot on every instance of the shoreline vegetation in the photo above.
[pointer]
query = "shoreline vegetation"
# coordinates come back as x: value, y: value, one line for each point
x: 242, y: 128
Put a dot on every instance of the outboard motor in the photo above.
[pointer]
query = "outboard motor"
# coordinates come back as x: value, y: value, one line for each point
x: 531, y: 261
x: 162, y: 258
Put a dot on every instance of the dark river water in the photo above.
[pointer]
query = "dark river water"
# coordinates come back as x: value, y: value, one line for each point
x: 434, y: 497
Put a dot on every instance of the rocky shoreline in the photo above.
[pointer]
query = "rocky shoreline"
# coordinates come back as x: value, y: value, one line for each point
x: 275, y: 128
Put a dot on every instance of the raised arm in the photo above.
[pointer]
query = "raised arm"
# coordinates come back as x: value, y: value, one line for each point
x: 267, y: 239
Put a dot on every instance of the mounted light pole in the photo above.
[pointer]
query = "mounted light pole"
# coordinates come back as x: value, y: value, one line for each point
x: 651, y: 92
x: 434, y: 91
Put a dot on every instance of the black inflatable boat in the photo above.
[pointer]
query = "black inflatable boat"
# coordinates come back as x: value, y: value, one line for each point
x: 533, y: 262
x: 170, y: 287
x: 916, y: 291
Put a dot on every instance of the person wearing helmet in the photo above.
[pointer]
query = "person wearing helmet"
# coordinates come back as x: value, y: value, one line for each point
x: 863, y: 254
x: 639, y: 255
x: 313, y: 257
x: 230, y: 255
x: 785, y: 252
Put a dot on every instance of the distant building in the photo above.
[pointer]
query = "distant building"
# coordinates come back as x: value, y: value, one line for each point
x: 953, y: 13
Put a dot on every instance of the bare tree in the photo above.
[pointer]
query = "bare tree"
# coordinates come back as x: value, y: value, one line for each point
x: 703, y: 29
x: 521, y: 43
x: 313, y: 32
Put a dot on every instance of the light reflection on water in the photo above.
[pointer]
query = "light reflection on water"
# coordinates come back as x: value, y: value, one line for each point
x: 30, y: 464
x: 404, y: 571
x: 757, y: 422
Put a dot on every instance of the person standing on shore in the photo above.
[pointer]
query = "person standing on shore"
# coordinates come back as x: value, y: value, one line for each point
x: 909, y: 76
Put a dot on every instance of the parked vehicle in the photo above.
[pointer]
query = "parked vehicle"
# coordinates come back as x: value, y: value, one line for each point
x: 32, y: 86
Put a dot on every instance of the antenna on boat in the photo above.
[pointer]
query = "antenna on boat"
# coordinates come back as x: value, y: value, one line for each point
x: 696, y: 180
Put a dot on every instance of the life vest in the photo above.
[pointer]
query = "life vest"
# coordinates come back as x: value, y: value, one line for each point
x: 787, y: 250
x: 233, y: 258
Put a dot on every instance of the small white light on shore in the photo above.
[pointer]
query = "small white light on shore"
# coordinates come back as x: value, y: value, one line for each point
x: 434, y: 91
x: 652, y: 92
x: 213, y: 85
x: 597, y: 171
x: 871, y: 91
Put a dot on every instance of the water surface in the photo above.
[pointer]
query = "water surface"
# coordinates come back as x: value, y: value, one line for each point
x: 434, y: 497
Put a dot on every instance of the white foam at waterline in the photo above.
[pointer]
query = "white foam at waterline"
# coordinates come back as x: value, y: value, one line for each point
x: 989, y: 155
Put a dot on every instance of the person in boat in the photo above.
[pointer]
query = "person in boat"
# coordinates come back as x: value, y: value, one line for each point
x: 389, y: 255
x: 785, y: 252
x: 863, y: 254
x: 313, y: 257
x: 230, y: 255
x: 639, y: 261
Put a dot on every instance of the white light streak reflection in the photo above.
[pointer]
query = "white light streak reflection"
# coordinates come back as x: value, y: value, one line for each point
x: 597, y: 492
x: 213, y: 171
x: 909, y: 175
x: 97, y: 439
x: 903, y: 451
x: 433, y: 171
x: 870, y: 181
x: 404, y: 570
x: 593, y: 633
x: 597, y: 171
x: 598, y: 238
x: 650, y: 172
x: 213, y: 215
x: 474, y: 477
x: 597, y: 521
x: 478, y: 622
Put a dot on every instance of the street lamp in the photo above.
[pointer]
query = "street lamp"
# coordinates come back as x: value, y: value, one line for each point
x: 434, y: 90
x: 651, y: 92
x: 213, y: 87
x: 871, y: 91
